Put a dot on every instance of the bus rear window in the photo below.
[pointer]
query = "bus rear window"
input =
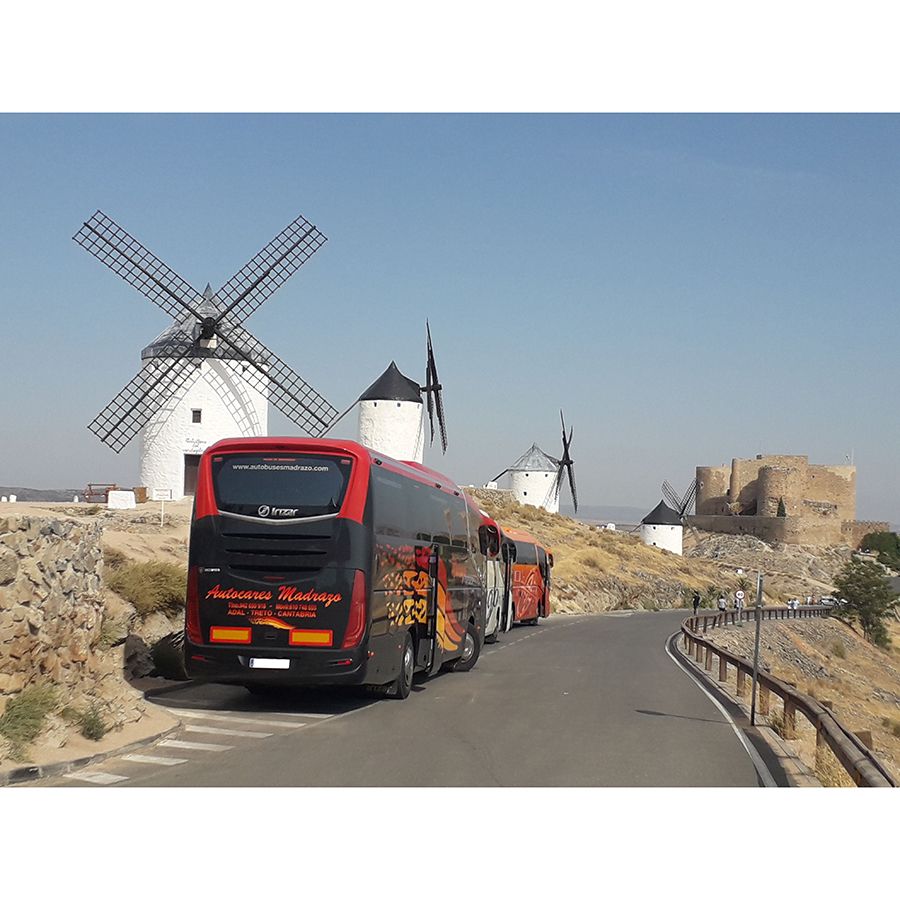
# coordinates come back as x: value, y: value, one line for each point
x: 282, y: 486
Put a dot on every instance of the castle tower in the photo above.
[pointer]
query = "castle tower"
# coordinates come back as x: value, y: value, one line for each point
x: 391, y: 417
x: 219, y: 404
x: 662, y: 528
x: 532, y: 477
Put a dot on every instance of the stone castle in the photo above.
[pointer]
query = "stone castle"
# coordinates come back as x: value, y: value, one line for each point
x: 781, y: 498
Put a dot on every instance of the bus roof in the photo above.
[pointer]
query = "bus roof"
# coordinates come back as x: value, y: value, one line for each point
x: 266, y: 444
x: 522, y: 536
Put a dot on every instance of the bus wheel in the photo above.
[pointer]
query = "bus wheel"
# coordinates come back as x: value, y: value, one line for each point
x: 493, y: 638
x: 471, y: 651
x: 402, y: 684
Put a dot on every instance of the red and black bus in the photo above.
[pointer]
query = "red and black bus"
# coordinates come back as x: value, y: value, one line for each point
x: 528, y: 565
x: 320, y: 562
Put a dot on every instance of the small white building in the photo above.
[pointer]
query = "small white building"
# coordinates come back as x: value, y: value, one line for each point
x: 532, y: 478
x: 662, y: 528
x: 219, y: 404
x: 391, y: 416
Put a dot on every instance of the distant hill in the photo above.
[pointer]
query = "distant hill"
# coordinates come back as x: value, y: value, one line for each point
x: 33, y: 495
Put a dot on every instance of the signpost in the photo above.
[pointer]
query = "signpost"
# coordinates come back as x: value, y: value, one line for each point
x: 162, y: 494
x: 759, y: 593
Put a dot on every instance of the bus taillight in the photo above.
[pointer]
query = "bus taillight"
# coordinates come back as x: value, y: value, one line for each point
x: 356, y: 621
x: 192, y: 607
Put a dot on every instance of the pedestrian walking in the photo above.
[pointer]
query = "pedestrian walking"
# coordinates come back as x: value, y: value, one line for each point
x: 696, y: 601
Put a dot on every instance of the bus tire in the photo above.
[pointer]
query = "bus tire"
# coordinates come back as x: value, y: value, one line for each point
x: 493, y: 638
x: 471, y: 651
x: 402, y: 684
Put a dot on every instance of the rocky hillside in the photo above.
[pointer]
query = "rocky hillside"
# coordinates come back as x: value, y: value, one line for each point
x: 598, y: 570
x: 828, y: 660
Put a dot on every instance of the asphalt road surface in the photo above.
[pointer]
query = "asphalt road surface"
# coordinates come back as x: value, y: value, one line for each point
x: 574, y: 701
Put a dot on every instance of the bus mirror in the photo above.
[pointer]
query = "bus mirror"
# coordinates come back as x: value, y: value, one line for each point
x: 489, y: 540
x: 550, y: 559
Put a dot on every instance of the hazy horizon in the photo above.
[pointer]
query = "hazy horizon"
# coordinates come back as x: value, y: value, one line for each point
x: 688, y: 288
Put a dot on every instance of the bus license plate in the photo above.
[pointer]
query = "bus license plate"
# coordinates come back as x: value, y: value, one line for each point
x: 256, y: 663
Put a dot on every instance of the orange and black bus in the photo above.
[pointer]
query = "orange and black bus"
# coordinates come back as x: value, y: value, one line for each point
x: 528, y: 565
x: 320, y: 562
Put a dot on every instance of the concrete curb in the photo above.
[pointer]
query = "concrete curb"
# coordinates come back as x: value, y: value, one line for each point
x: 33, y: 773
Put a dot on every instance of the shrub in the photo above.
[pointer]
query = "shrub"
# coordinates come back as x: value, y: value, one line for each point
x: 837, y: 649
x: 112, y: 632
x: 91, y: 723
x: 150, y: 586
x: 24, y: 717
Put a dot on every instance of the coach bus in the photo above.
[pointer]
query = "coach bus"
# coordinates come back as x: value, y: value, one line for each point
x: 528, y: 563
x: 320, y: 562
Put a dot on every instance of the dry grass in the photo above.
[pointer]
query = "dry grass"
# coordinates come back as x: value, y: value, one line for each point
x: 149, y: 586
x: 24, y: 717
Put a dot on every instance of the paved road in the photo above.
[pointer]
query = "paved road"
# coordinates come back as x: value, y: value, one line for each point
x: 575, y: 701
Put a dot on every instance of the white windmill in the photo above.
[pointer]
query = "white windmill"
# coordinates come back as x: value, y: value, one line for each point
x: 535, y: 478
x: 392, y: 415
x: 205, y: 377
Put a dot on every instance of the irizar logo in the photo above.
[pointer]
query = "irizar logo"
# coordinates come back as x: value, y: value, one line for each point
x: 282, y: 511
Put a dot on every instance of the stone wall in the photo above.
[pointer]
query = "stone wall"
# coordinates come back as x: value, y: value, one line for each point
x: 854, y: 532
x: 833, y: 484
x: 712, y: 490
x: 50, y: 601
x: 776, y: 529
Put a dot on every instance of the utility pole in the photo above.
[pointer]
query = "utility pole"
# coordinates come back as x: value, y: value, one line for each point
x: 759, y: 594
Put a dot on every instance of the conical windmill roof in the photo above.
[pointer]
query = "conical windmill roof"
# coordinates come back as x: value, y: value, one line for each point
x: 392, y: 384
x: 178, y: 339
x: 534, y: 460
x: 661, y: 515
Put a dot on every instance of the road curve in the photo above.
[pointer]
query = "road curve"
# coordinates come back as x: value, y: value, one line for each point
x: 576, y: 701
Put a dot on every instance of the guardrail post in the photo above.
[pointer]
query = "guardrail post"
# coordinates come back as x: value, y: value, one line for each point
x: 763, y: 700
x: 741, y: 682
x: 698, y: 651
x: 866, y: 738
x: 723, y: 669
x: 705, y: 624
x: 790, y: 720
x: 707, y: 663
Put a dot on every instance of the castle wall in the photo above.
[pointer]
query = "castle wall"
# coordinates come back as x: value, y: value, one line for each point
x: 745, y: 475
x: 777, y: 483
x: 712, y: 490
x: 833, y: 484
x: 854, y: 532
x: 796, y: 530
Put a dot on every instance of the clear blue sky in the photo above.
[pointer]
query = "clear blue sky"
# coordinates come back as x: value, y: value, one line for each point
x: 689, y: 288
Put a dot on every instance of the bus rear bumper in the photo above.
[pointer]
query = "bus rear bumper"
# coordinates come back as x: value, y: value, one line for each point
x: 305, y: 667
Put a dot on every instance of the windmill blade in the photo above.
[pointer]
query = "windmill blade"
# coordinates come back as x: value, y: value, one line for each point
x: 130, y: 259
x: 133, y: 407
x: 429, y: 385
x: 671, y: 496
x: 250, y: 286
x: 498, y: 477
x: 689, y: 497
x: 269, y: 374
x: 434, y: 386
x: 553, y: 492
x: 571, y: 470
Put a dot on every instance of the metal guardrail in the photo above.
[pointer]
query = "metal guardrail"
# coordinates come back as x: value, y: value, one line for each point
x: 860, y: 763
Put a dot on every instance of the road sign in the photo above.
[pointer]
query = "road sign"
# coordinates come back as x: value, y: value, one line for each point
x: 739, y: 595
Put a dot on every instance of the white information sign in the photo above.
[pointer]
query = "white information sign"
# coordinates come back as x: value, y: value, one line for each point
x: 161, y: 494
